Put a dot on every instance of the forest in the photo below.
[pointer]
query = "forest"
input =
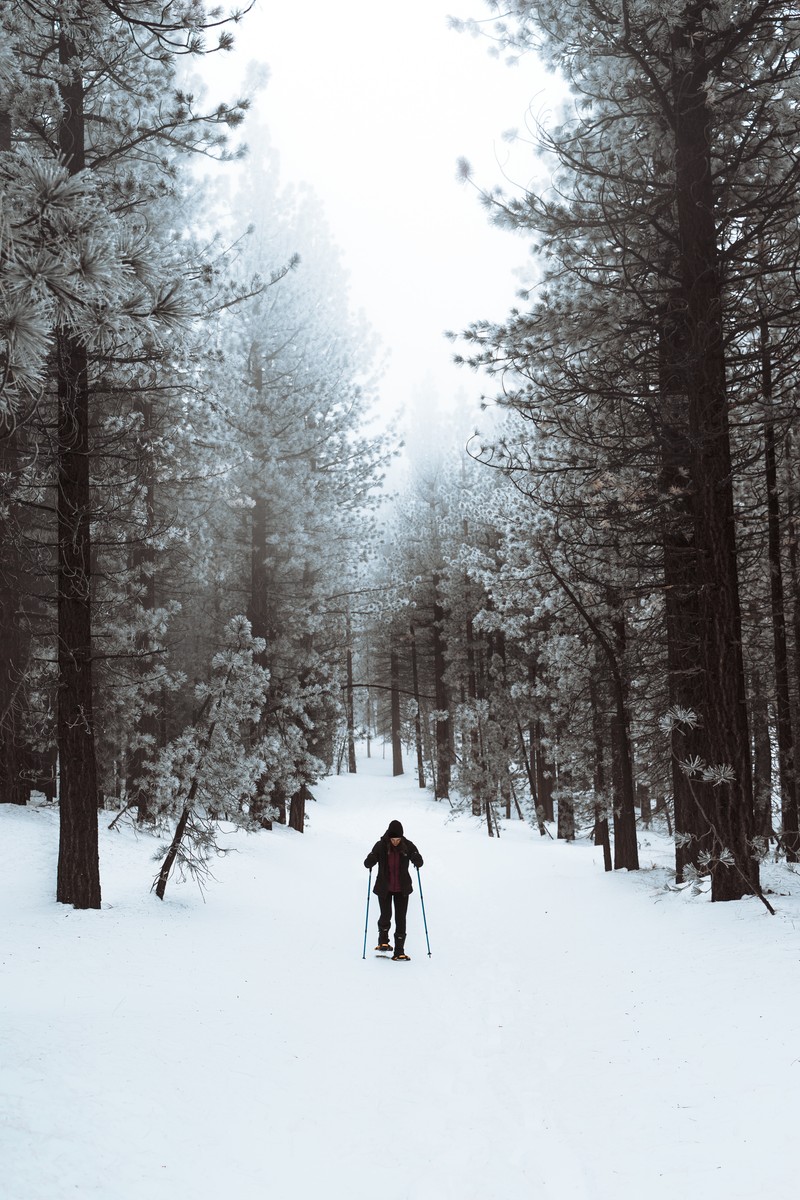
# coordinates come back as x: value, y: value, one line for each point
x: 585, y: 615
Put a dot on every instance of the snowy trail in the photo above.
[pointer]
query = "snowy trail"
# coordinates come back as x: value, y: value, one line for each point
x: 573, y: 1036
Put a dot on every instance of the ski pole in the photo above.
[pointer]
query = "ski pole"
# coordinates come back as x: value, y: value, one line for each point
x: 366, y: 922
x: 424, y: 921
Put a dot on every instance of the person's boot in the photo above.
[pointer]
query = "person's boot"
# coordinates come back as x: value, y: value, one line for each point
x: 399, y: 951
x: 384, y: 944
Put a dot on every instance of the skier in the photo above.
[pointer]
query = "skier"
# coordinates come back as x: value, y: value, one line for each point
x: 393, y: 884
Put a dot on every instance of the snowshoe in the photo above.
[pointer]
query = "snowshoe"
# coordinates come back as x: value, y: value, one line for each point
x: 401, y: 957
x: 383, y: 948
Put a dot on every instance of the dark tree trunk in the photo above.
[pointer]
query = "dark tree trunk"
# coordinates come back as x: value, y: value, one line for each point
x: 793, y: 537
x: 499, y: 687
x: 643, y: 802
x: 681, y: 595
x: 297, y: 809
x: 172, y: 852
x: 417, y: 708
x: 349, y: 702
x: 78, y: 861
x: 626, y: 849
x: 724, y: 713
x: 762, y: 757
x: 443, y: 747
x: 13, y: 628
x: 545, y: 773
x: 601, y: 830
x: 78, y: 880
x: 783, y: 710
x: 397, y: 742
x: 278, y: 802
x: 477, y: 764
x: 15, y: 785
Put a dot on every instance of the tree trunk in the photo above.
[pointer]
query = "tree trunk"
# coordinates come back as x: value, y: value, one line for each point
x: 297, y: 809
x: 644, y: 803
x: 397, y: 742
x: 14, y: 638
x: 793, y: 541
x: 443, y: 748
x: 499, y: 687
x: 626, y: 849
x: 78, y: 860
x: 566, y: 808
x: 681, y: 595
x: 349, y: 703
x: 783, y: 711
x: 601, y: 830
x: 477, y: 773
x: 723, y: 714
x: 793, y: 538
x: 531, y: 780
x: 417, y: 709
x: 762, y: 757
x: 78, y: 879
x: 545, y: 773
x: 15, y: 783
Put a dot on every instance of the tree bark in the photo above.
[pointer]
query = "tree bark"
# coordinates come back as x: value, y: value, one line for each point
x: 418, y: 708
x: 13, y: 632
x: 601, y: 830
x: 15, y: 783
x: 681, y: 594
x: 397, y: 742
x: 531, y: 780
x: 545, y: 773
x: 477, y: 773
x: 443, y: 747
x: 724, y: 714
x: 762, y: 757
x: 349, y: 702
x: 78, y: 878
x: 783, y: 710
x: 626, y: 848
x: 78, y: 881
x: 297, y: 809
x: 793, y: 538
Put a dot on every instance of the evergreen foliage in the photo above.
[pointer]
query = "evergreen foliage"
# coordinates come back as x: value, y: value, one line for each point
x: 182, y: 442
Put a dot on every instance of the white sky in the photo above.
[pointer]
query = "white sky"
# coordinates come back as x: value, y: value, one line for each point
x: 372, y: 103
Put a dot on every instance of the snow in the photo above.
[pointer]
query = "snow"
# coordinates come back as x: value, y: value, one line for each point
x: 574, y: 1035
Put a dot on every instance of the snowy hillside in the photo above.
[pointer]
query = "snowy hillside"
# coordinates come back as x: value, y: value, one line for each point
x: 574, y: 1035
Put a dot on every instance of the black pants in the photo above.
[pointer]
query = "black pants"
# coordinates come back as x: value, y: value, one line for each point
x: 385, y: 919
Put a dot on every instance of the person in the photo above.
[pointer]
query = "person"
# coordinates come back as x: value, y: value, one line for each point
x: 393, y: 886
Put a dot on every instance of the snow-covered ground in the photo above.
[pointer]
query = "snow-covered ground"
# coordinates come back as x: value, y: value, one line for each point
x: 574, y: 1035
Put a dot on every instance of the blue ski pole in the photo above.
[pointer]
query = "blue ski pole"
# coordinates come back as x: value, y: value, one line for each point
x: 366, y: 922
x: 424, y: 921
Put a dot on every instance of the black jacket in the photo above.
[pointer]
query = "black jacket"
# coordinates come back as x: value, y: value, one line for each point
x: 379, y: 854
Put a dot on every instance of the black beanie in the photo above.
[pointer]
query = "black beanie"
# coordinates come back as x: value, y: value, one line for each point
x: 395, y: 829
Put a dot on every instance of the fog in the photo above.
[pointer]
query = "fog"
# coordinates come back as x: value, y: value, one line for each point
x: 373, y: 105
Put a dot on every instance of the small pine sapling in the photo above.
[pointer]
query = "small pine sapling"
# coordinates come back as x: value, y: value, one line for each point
x: 205, y: 771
